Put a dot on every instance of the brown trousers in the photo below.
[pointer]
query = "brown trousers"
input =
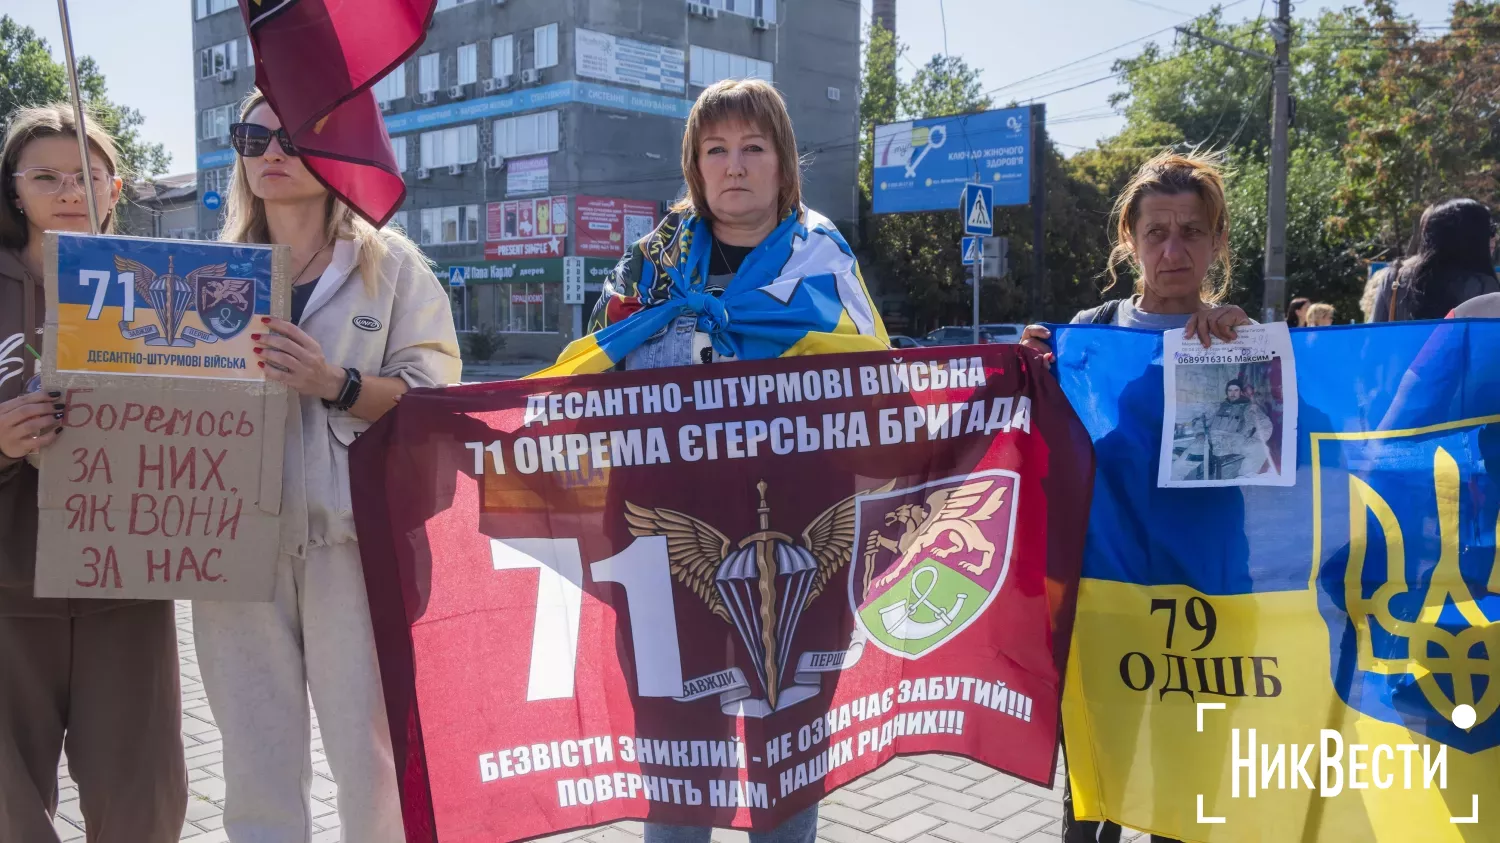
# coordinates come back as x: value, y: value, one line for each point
x: 105, y: 685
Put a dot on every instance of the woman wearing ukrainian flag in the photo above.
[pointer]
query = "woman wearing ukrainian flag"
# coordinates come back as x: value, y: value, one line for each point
x: 739, y: 270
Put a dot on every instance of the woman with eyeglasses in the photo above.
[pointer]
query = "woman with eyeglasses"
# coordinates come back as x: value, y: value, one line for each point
x: 369, y: 321
x: 99, y: 677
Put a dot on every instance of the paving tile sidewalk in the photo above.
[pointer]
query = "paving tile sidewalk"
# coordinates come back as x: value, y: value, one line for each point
x: 924, y: 799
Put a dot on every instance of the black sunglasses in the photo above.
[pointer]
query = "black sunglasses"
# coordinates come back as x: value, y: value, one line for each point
x: 251, y: 139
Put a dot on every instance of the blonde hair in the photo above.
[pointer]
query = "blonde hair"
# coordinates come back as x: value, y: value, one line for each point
x: 245, y: 218
x: 35, y: 123
x: 752, y: 102
x: 1173, y: 174
x: 1317, y: 311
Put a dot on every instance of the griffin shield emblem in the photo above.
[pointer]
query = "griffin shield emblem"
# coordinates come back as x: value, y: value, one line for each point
x: 225, y: 304
x: 931, y: 558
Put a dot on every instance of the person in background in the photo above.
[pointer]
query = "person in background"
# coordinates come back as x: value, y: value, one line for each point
x: 99, y: 677
x: 1453, y: 262
x: 730, y: 237
x: 1172, y: 227
x: 1318, y: 315
x: 260, y: 661
x: 1294, y: 314
x: 1486, y: 306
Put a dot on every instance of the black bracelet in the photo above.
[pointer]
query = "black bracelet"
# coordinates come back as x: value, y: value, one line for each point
x: 349, y: 394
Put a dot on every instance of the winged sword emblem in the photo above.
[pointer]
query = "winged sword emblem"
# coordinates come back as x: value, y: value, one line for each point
x: 169, y: 295
x: 762, y: 584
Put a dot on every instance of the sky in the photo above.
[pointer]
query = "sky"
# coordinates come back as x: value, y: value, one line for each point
x: 145, y: 49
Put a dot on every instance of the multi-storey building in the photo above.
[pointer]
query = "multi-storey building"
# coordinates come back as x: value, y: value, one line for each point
x: 531, y: 131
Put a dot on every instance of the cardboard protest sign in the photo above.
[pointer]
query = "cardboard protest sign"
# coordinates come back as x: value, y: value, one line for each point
x: 166, y: 482
x: 710, y: 595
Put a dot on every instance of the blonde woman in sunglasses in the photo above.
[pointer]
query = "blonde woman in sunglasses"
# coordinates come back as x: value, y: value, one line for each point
x: 369, y: 321
x: 99, y: 677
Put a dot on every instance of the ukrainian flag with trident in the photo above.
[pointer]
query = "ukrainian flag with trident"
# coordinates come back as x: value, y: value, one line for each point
x: 1306, y: 663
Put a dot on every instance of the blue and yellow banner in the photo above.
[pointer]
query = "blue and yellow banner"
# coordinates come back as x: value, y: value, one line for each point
x: 136, y: 306
x: 1314, y: 663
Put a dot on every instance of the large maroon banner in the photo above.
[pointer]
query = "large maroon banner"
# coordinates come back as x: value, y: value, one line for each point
x: 711, y: 595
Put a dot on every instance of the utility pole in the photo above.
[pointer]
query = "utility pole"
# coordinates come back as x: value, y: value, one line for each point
x: 1274, y: 302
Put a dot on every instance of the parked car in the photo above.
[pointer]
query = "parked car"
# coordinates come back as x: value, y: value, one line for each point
x: 964, y: 335
x: 903, y: 341
x: 1004, y: 331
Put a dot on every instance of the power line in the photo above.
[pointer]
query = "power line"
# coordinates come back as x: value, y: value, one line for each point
x: 1150, y: 5
x: 1110, y: 50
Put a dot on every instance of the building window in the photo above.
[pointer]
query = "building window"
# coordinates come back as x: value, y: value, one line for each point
x: 503, y: 56
x: 468, y: 64
x: 219, y: 57
x: 453, y: 224
x: 546, y: 46
x: 444, y: 147
x: 398, y: 145
x: 398, y: 220
x: 449, y: 4
x: 748, y: 8
x: 249, y: 52
x: 528, y: 134
x: 214, y: 123
x: 215, y: 181
x: 528, y: 308
x: 709, y: 66
x: 393, y: 86
x: 429, y: 73
x: 213, y: 7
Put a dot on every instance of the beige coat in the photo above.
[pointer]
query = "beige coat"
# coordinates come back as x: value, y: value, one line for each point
x: 401, y: 327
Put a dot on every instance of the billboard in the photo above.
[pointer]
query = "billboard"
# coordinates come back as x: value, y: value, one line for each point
x: 607, y: 226
x: 922, y: 165
x: 518, y: 219
x: 600, y: 55
x: 526, y: 175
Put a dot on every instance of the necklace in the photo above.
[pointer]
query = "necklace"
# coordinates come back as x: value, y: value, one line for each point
x: 725, y: 258
x: 296, y: 279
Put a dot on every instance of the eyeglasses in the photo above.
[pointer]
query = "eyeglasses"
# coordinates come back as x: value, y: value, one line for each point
x: 250, y: 140
x: 49, y: 181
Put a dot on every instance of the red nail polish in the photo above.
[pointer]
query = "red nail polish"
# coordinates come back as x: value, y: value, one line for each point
x: 261, y: 363
x: 255, y: 336
x: 266, y: 319
x: 257, y: 349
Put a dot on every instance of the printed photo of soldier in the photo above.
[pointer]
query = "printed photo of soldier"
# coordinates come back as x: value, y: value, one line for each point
x: 1227, y: 420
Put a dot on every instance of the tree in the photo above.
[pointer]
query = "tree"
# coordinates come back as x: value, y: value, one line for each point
x: 30, y: 76
x: 1205, y: 98
x: 1426, y: 127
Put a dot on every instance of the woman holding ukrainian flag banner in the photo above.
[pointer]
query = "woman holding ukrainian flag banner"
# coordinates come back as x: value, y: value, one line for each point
x: 1172, y: 228
x: 739, y: 270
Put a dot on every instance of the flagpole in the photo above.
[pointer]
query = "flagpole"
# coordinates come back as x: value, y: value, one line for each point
x: 83, y: 144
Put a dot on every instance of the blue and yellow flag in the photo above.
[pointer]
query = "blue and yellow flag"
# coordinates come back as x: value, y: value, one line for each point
x: 1315, y: 663
x: 799, y: 292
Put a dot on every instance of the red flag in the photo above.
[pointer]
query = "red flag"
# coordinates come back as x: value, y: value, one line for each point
x: 316, y: 61
x: 622, y: 596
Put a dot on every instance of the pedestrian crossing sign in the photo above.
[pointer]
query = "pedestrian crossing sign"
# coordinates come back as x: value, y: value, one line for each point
x: 973, y: 250
x: 978, y: 200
